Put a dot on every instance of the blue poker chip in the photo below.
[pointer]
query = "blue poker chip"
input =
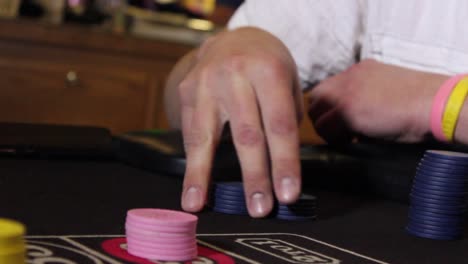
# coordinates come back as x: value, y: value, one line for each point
x: 229, y: 211
x: 429, y: 166
x: 443, y: 176
x: 429, y: 235
x: 440, y: 184
x: 437, y: 225
x: 296, y: 218
x: 443, y: 163
x: 449, y: 155
x: 456, y: 224
x: 427, y: 185
x: 442, y: 193
x: 229, y: 201
x: 229, y: 192
x: 242, y: 207
x: 436, y: 210
x: 434, y: 230
x: 436, y: 205
x: 448, y: 199
x: 233, y: 186
x: 445, y: 159
x: 458, y: 178
x: 434, y: 217
x: 229, y: 196
x: 445, y: 230
x: 449, y: 202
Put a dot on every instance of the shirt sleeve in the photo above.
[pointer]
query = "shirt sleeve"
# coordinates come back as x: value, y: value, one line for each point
x: 321, y: 35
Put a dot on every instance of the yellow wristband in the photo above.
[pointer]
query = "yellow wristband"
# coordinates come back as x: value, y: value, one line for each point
x: 453, y: 108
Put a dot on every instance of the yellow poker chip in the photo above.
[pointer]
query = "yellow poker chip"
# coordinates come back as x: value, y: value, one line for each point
x: 12, y: 244
x: 12, y: 250
x: 17, y: 258
x: 11, y: 229
x: 11, y: 236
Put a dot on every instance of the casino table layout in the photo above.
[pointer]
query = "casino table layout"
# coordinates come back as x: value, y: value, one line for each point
x: 74, y: 211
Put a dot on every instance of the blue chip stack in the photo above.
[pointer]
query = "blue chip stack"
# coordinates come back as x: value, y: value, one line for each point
x: 229, y: 198
x: 438, y: 196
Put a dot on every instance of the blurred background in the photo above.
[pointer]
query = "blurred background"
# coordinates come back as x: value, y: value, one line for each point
x: 98, y: 62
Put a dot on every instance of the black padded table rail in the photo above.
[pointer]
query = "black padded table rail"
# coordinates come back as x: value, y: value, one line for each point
x: 75, y: 210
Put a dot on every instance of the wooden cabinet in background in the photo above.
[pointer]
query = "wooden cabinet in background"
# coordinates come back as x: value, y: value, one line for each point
x: 72, y: 75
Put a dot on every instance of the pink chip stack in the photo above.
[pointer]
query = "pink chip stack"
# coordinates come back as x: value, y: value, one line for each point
x: 160, y: 234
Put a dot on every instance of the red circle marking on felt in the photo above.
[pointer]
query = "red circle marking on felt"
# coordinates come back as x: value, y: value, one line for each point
x: 116, y: 248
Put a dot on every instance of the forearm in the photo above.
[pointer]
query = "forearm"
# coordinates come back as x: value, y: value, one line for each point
x: 461, y: 131
x: 171, y: 95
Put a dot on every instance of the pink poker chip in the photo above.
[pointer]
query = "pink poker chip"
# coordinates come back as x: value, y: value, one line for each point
x: 163, y: 240
x: 168, y: 252
x: 162, y: 217
x: 162, y: 234
x: 172, y: 229
x: 149, y: 254
x: 182, y: 247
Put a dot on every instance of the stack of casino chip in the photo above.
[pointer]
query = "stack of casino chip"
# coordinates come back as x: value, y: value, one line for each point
x: 160, y: 234
x: 438, y: 196
x: 229, y: 198
x: 302, y: 210
x: 12, y: 245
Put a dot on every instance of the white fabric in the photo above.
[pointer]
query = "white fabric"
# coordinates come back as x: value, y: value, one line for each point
x: 326, y: 36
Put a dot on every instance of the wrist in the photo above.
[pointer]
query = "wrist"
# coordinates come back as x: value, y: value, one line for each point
x: 446, y: 107
x: 422, y: 119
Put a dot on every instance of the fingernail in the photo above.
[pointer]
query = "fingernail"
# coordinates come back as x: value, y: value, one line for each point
x: 259, y: 204
x: 192, y: 199
x: 288, y: 189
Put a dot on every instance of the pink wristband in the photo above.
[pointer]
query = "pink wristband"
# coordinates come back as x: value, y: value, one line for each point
x: 438, y: 106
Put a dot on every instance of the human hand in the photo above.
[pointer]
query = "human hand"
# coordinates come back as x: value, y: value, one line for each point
x: 376, y: 100
x: 247, y: 78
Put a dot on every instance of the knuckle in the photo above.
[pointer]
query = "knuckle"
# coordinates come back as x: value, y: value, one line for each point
x: 353, y: 116
x: 283, y: 125
x: 248, y: 135
x: 272, y: 67
x: 235, y: 63
x: 195, y: 139
x: 207, y: 74
x: 185, y: 90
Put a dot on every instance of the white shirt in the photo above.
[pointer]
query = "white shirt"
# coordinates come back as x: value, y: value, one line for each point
x: 327, y: 36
